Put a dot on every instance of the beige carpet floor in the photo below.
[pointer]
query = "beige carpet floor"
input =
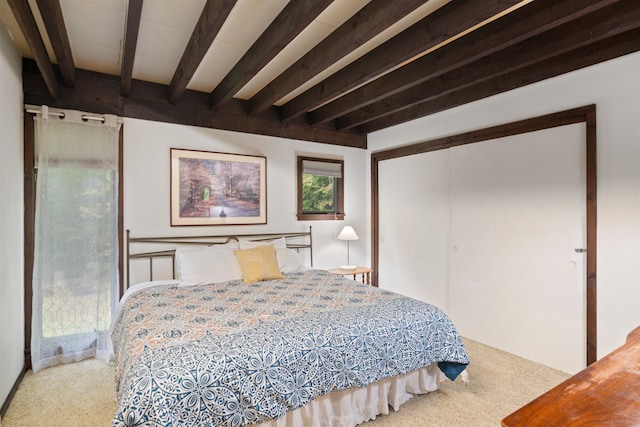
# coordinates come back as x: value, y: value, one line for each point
x: 82, y: 394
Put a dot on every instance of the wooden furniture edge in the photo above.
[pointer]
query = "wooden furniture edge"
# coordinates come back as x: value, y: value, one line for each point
x: 604, y: 393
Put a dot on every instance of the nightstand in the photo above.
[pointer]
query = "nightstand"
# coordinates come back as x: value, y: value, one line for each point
x: 364, y: 271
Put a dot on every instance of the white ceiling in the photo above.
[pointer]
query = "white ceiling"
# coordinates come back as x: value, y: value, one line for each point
x: 96, y: 29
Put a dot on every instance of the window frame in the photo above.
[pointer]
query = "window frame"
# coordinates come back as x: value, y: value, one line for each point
x: 333, y: 216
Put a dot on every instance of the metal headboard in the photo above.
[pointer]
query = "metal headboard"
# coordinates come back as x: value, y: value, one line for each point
x: 295, y: 240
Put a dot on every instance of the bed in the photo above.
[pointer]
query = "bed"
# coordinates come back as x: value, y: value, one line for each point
x: 247, y: 334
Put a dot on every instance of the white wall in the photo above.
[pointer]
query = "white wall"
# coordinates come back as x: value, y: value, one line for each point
x: 11, y: 217
x: 147, y: 175
x: 614, y: 87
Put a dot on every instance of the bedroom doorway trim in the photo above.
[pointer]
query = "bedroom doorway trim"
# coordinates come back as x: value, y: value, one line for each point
x: 586, y: 114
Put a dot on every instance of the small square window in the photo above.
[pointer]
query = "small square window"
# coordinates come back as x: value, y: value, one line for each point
x: 320, y: 189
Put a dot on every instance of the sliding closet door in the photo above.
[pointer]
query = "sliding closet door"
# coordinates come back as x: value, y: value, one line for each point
x: 488, y: 232
x: 414, y: 226
x: 517, y: 216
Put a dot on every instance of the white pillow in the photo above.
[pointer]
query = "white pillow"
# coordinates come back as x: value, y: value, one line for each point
x: 186, y: 248
x: 280, y: 243
x: 289, y: 261
x: 211, y: 265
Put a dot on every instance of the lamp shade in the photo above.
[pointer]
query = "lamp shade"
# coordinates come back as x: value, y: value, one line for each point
x: 348, y: 233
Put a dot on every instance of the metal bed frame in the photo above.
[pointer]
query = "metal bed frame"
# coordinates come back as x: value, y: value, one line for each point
x: 295, y: 240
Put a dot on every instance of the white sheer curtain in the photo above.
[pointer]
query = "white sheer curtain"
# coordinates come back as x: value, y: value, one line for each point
x: 75, y: 273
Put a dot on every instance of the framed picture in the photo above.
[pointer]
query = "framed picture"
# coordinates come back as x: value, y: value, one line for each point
x: 209, y: 188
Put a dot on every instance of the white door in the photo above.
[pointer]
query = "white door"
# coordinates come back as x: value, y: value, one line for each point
x: 517, y: 216
x: 489, y: 232
x: 414, y: 226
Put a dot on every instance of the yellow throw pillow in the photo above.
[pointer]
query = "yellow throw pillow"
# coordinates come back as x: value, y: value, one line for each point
x: 259, y: 263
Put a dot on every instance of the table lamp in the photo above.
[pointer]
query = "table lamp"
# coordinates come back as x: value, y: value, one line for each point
x: 348, y: 233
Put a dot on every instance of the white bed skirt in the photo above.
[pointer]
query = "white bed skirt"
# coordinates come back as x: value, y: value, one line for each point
x: 352, y: 407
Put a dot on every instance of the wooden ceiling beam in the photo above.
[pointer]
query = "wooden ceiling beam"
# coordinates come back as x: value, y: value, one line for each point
x: 232, y: 117
x: 29, y: 28
x: 132, y: 27
x: 449, y: 20
x: 370, y: 21
x: 54, y: 22
x: 213, y: 15
x: 294, y: 18
x: 526, y: 22
x: 542, y: 39
x: 604, y: 50
x: 607, y: 22
x: 100, y: 93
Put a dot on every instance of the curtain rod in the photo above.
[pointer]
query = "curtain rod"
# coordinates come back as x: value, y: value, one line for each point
x: 62, y: 115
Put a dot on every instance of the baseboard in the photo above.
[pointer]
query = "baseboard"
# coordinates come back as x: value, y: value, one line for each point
x: 14, y: 389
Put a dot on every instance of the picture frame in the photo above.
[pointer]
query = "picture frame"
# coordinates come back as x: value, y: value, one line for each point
x: 212, y: 188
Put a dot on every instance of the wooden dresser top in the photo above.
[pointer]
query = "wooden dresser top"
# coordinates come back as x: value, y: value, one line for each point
x: 607, y: 392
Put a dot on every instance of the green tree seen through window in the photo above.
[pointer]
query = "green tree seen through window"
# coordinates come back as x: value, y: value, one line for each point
x: 318, y: 194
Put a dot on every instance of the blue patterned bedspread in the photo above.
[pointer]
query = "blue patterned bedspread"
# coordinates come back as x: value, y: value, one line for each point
x: 231, y: 354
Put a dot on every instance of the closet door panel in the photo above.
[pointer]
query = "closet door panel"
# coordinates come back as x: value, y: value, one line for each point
x: 517, y: 217
x: 414, y: 226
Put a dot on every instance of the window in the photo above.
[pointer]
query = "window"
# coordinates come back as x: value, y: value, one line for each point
x: 75, y: 231
x: 320, y: 189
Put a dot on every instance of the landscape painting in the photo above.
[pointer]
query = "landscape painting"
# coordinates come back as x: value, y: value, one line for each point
x: 209, y: 188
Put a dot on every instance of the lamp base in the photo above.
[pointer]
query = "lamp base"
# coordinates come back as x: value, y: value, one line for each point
x: 348, y: 267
